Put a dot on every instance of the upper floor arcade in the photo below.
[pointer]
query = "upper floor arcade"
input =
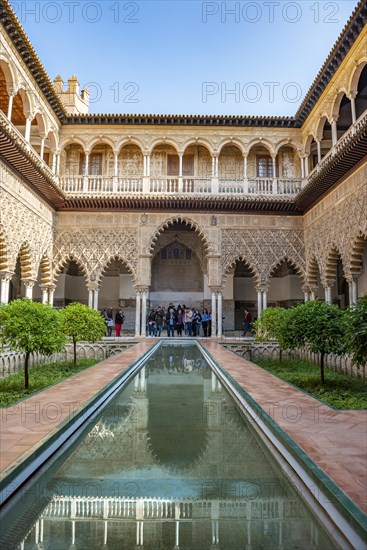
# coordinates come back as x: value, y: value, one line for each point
x: 107, y: 155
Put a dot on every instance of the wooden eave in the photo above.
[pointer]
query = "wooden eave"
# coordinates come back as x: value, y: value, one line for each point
x: 30, y: 169
x: 156, y: 203
x: 354, y: 153
x: 15, y: 31
x: 342, y: 46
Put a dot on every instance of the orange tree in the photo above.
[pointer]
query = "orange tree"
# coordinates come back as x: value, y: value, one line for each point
x: 29, y: 327
x: 356, y: 332
x: 318, y: 326
x: 271, y: 325
x: 82, y: 323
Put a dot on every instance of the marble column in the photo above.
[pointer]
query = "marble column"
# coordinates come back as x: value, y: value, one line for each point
x: 137, y: 313
x: 95, y: 301
x: 334, y: 131
x: 27, y: 133
x: 42, y: 151
x: 10, y: 107
x: 5, y: 278
x: 220, y: 314
x: 214, y: 313
x: 29, y: 284
x: 144, y: 313
x: 259, y: 303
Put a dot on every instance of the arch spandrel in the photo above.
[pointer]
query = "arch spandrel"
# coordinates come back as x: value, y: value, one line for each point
x: 313, y: 268
x: 300, y: 270
x: 260, y: 141
x: 28, y: 261
x: 287, y: 142
x: 355, y: 75
x: 4, y: 257
x: 119, y: 258
x: 164, y: 141
x: 45, y: 270
x: 94, y: 246
x: 262, y: 249
x: 354, y: 258
x: 199, y: 230
x: 64, y: 262
x: 248, y: 264
x: 9, y: 73
x: 198, y: 141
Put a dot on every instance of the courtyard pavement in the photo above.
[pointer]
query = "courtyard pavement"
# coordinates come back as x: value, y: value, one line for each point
x: 335, y: 440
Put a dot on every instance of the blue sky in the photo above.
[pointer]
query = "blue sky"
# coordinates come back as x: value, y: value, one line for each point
x: 190, y: 57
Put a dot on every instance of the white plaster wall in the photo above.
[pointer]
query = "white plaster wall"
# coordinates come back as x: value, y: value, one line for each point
x: 190, y: 299
x: 75, y: 289
x: 60, y: 287
x: 244, y: 289
x: 229, y: 288
x: 285, y: 288
x: 126, y: 287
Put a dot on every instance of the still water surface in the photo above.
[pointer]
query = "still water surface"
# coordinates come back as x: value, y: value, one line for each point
x: 170, y: 464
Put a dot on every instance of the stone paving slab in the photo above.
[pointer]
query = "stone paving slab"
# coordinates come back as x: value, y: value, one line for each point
x: 28, y: 424
x: 335, y: 440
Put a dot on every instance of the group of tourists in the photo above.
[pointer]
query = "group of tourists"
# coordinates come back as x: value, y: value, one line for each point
x: 185, y: 321
x: 182, y: 320
x: 111, y: 322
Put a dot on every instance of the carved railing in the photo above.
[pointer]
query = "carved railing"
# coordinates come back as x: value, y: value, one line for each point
x: 173, y: 185
x: 26, y: 146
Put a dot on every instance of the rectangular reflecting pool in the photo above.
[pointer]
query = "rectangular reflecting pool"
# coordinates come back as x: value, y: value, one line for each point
x: 171, y: 463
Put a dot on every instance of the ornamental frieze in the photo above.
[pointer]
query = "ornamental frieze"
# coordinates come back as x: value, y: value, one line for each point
x: 263, y: 250
x: 93, y: 248
x: 337, y: 231
x: 23, y: 228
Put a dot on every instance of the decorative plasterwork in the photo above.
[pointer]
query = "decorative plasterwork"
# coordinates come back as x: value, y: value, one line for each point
x: 94, y: 247
x: 23, y: 229
x: 262, y: 250
x: 336, y: 234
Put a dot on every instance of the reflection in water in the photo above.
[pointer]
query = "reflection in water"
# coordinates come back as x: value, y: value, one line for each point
x: 170, y: 464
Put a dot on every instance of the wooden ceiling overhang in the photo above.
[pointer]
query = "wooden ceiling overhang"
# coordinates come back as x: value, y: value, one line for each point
x: 342, y: 46
x: 352, y: 154
x: 174, y: 203
x: 28, y: 166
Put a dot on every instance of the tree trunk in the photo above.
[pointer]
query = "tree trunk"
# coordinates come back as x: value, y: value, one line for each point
x: 26, y: 372
x: 74, y: 345
x: 280, y: 355
x: 322, y: 368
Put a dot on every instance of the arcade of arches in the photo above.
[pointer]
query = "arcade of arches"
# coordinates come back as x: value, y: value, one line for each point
x: 137, y: 211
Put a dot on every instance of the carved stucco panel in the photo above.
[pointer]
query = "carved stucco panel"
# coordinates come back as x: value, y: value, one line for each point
x: 263, y: 250
x: 95, y: 247
x: 338, y: 230
x: 23, y: 227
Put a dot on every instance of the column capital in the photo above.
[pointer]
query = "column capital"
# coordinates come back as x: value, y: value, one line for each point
x: 92, y: 286
x: 29, y: 283
x: 215, y: 288
x: 48, y: 286
x: 141, y: 288
x: 6, y: 275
